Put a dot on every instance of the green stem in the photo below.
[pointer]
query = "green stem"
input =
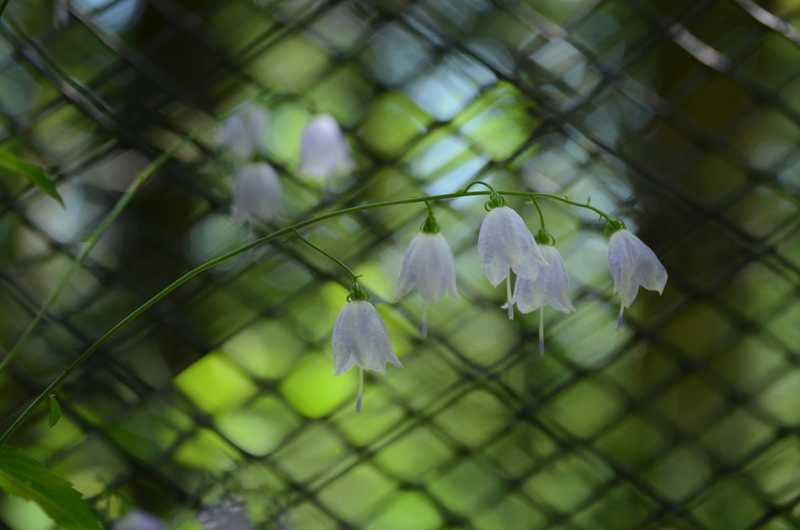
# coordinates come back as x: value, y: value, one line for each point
x: 210, y: 264
x: 3, y: 6
x: 539, y: 211
x: 598, y: 211
x: 336, y: 260
x: 90, y: 243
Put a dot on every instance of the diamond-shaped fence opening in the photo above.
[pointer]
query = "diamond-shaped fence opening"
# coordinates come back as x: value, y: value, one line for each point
x: 220, y: 402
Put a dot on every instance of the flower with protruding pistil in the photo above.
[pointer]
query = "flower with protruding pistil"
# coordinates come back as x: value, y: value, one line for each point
x: 550, y: 287
x: 429, y: 267
x: 633, y: 264
x: 360, y: 338
x: 506, y: 245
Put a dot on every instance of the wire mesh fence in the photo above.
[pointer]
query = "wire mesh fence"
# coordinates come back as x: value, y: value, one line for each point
x: 682, y: 117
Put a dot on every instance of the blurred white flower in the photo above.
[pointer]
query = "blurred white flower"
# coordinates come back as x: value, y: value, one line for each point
x: 550, y: 287
x: 139, y: 520
x: 429, y: 267
x: 324, y: 152
x: 505, y: 244
x: 360, y: 338
x: 226, y: 516
x: 633, y: 264
x: 243, y: 131
x: 258, y: 195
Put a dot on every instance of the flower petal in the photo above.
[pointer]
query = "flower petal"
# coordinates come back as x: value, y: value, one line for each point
x: 555, y: 280
x: 345, y: 332
x: 493, y: 243
x: 437, y: 267
x: 408, y: 278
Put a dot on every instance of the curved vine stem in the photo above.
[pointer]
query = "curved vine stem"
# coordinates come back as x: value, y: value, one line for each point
x: 340, y: 263
x: 210, y: 264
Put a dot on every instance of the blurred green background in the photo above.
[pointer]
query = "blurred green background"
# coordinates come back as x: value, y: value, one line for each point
x: 680, y: 116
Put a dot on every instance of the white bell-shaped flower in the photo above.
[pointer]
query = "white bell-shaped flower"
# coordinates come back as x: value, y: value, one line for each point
x: 324, y: 151
x: 258, y: 195
x: 243, y: 131
x: 633, y: 264
x: 506, y: 245
x: 430, y: 268
x: 551, y: 287
x: 360, y: 338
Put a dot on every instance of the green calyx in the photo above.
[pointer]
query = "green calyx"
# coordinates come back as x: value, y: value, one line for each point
x: 357, y: 293
x: 495, y: 201
x: 430, y: 226
x: 543, y: 237
x: 614, y: 225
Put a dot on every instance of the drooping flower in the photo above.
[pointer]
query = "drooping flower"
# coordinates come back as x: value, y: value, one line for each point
x: 360, y: 338
x: 428, y: 266
x: 258, y: 195
x: 243, y: 131
x: 506, y: 245
x: 324, y: 151
x: 550, y: 287
x: 633, y: 264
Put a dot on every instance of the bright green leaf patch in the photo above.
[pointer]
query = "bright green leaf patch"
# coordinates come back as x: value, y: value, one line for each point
x: 32, y: 172
x: 24, y: 477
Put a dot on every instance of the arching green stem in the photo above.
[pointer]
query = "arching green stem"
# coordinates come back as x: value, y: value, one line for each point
x: 212, y: 263
x: 331, y: 257
x: 539, y: 211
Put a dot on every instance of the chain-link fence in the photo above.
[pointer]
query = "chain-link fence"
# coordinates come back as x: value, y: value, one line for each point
x: 680, y: 116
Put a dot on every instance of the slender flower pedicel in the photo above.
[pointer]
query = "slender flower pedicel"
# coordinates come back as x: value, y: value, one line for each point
x: 428, y: 266
x: 258, y: 196
x: 360, y: 338
x: 550, y: 287
x: 633, y: 264
x: 243, y: 131
x: 324, y: 152
x: 506, y: 245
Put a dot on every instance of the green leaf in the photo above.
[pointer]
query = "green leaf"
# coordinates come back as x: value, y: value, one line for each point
x: 55, y: 411
x: 34, y: 173
x: 22, y: 476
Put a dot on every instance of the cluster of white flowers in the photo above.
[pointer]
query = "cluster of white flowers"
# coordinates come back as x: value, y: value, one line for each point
x: 506, y: 246
x: 508, y: 250
x: 258, y: 193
